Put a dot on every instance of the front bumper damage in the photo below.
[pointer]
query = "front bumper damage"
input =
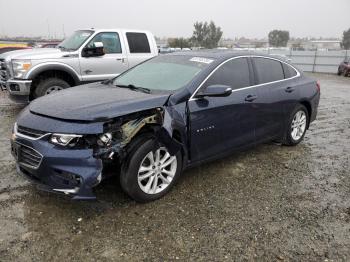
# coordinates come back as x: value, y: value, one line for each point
x: 70, y: 172
x: 74, y: 172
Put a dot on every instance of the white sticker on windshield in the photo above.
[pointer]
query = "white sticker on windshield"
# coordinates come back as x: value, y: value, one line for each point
x: 201, y: 60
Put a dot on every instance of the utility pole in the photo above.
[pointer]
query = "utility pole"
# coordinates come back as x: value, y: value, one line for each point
x: 64, y: 33
x: 48, y: 29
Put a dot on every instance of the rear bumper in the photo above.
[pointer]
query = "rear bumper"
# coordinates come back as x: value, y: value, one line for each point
x: 314, y: 106
x: 60, y: 170
x: 19, y: 90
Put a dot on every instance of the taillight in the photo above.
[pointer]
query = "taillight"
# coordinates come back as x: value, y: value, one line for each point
x: 318, y: 86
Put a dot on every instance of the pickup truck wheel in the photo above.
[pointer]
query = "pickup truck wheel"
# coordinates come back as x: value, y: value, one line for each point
x: 49, y: 86
x: 150, y: 172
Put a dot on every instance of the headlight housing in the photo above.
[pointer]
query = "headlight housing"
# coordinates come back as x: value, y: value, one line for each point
x: 65, y: 139
x: 20, y: 67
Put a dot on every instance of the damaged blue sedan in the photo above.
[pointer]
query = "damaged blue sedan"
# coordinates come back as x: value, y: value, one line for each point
x: 155, y: 120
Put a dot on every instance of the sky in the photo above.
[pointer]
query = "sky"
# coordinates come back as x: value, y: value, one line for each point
x: 248, y: 18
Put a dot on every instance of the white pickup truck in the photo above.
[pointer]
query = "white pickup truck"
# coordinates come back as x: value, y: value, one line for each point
x: 86, y: 56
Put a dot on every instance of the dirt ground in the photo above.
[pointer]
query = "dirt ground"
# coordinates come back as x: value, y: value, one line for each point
x: 271, y: 203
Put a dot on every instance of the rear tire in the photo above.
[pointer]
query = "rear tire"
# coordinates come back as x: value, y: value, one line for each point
x: 144, y: 179
x: 297, y: 126
x: 50, y: 85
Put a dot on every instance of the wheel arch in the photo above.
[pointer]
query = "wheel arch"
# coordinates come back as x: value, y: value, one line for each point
x: 44, y: 67
x: 307, y: 104
x: 52, y: 70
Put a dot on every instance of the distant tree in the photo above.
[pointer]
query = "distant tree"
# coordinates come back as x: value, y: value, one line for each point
x: 179, y: 42
x: 206, y: 34
x: 278, y: 38
x: 346, y: 40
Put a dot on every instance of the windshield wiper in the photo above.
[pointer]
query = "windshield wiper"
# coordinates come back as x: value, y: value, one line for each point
x: 136, y: 88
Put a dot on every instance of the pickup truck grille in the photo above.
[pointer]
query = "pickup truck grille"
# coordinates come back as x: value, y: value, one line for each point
x: 3, y: 73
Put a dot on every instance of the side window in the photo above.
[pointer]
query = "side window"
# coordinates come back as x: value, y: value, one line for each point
x: 110, y: 40
x: 234, y: 73
x: 288, y: 71
x: 268, y: 70
x: 138, y: 43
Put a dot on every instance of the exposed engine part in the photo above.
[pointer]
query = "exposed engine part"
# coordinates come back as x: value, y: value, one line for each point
x: 105, y: 139
x: 109, y: 144
x: 111, y: 155
x: 131, y: 128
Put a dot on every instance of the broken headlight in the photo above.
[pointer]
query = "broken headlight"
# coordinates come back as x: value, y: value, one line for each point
x: 65, y: 139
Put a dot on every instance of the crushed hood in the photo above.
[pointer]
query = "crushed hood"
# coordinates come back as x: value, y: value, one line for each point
x: 95, y: 102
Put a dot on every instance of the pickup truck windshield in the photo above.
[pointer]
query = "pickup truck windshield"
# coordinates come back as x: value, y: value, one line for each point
x: 73, y: 42
x: 164, y: 72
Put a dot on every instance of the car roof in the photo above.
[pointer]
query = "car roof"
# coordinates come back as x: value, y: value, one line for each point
x: 218, y: 54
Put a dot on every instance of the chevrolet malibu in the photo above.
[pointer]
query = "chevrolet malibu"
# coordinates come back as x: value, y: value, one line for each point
x: 167, y: 114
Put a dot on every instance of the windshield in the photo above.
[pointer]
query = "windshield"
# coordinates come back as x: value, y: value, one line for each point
x: 75, y: 40
x: 164, y: 72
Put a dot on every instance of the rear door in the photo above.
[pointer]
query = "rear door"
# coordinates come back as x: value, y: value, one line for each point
x: 275, y: 92
x: 220, y: 124
x: 113, y: 63
x: 140, y: 47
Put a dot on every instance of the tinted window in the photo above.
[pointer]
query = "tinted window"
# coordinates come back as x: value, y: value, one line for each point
x: 110, y: 40
x: 138, y: 43
x: 268, y: 70
x: 234, y: 73
x: 288, y: 71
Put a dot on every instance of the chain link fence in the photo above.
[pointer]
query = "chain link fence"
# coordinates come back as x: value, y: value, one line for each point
x: 312, y: 61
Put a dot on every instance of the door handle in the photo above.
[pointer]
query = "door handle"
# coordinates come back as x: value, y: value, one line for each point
x: 251, y: 98
x: 289, y: 89
x: 121, y: 59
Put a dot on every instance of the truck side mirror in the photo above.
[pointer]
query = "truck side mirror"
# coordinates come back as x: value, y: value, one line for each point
x: 96, y: 50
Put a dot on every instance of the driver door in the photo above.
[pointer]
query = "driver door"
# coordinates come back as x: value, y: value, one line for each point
x: 111, y: 64
x: 221, y: 124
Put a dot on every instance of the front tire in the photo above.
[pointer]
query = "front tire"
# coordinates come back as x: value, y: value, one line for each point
x: 150, y: 171
x: 297, y: 126
x: 50, y: 85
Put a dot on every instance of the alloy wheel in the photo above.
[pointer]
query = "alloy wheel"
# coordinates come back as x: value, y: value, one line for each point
x: 156, y: 171
x: 298, y: 125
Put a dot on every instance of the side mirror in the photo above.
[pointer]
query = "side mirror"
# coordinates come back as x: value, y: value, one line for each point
x: 96, y: 50
x: 215, y: 91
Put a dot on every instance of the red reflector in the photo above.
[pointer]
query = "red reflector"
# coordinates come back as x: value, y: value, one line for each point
x: 318, y: 86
